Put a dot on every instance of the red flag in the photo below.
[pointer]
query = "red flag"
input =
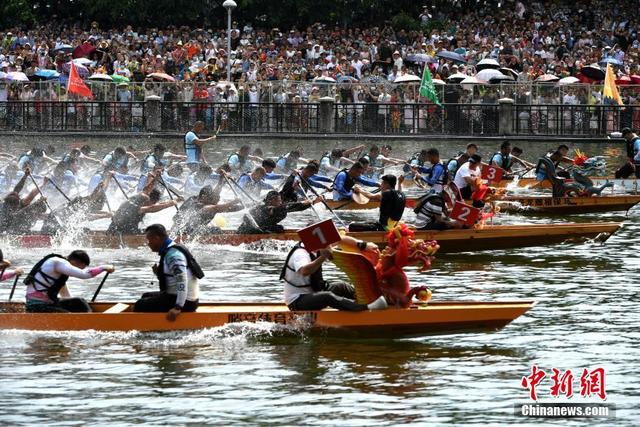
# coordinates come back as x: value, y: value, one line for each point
x: 76, y: 85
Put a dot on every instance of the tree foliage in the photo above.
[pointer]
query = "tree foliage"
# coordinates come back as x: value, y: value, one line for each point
x: 207, y: 13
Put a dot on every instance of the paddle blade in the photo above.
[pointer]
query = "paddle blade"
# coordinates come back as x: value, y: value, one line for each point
x: 360, y: 199
x: 361, y: 274
x: 219, y: 221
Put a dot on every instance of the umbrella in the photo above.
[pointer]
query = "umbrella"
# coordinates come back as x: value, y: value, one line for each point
x: 82, y: 70
x: 452, y: 56
x: 569, y: 81
x: 83, y: 50
x: 438, y: 82
x: 407, y: 78
x: 635, y: 79
x: 547, y: 78
x: 83, y: 61
x: 470, y: 81
x: 101, y: 77
x: 593, y: 72
x: 17, y: 76
x: 487, y: 63
x: 47, y: 74
x: 489, y: 74
x: 624, y: 80
x: 119, y: 79
x: 347, y: 79
x: 509, y: 72
x: 421, y: 58
x: 66, y: 48
x: 457, y: 78
x: 610, y: 60
x: 324, y: 79
x: 162, y: 76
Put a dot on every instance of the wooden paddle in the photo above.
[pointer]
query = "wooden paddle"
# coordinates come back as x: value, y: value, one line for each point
x: 120, y: 186
x: 95, y: 295
x: 52, y: 182
x: 164, y: 184
x: 254, y: 223
x: 360, y: 198
x: 13, y: 288
x: 324, y: 202
x: 44, y: 199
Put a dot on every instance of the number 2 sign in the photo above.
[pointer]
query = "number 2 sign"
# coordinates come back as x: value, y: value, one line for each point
x: 492, y: 173
x: 319, y: 235
x: 465, y: 213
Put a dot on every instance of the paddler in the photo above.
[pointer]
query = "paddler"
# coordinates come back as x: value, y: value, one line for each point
x: 131, y: 212
x: 46, y: 283
x: 305, y: 288
x: 193, y: 146
x: 8, y: 274
x: 345, y: 180
x: 392, y: 203
x: 297, y: 184
x: 467, y: 175
x: 268, y: 215
x: 378, y: 159
x: 241, y: 161
x: 35, y: 159
x: 289, y: 162
x: 197, y: 212
x: 632, y: 165
x: 253, y: 183
x: 177, y: 272
x: 18, y: 215
x: 454, y: 164
x: 332, y: 161
x: 431, y: 214
x: 436, y: 176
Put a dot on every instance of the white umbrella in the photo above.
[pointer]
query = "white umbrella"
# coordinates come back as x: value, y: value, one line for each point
x: 509, y: 72
x: 469, y: 82
x: 17, y: 76
x: 324, y: 79
x: 407, y: 78
x: 438, y: 82
x: 489, y: 74
x: 223, y: 85
x: 547, y: 78
x: 83, y: 61
x: 101, y: 77
x: 456, y: 78
x: 569, y: 81
x: 487, y: 63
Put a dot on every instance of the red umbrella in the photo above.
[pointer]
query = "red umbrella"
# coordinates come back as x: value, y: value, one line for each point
x: 162, y: 76
x: 548, y: 78
x: 84, y: 50
x: 635, y: 79
x: 624, y: 80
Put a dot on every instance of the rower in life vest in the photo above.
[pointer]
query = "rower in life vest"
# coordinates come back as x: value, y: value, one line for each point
x: 240, y: 161
x: 331, y: 162
x: 6, y: 274
x: 454, y: 164
x: 269, y: 166
x: 254, y: 183
x: 178, y: 273
x: 193, y: 145
x: 130, y: 214
x: 506, y: 158
x: 305, y: 288
x: 35, y: 159
x: 392, y: 204
x: 18, y: 215
x: 467, y: 176
x: 289, y: 162
x: 297, y: 184
x: 436, y: 176
x: 418, y: 159
x: 378, y: 159
x: 345, y: 180
x: 266, y: 217
x: 632, y: 164
x: 431, y: 214
x: 197, y: 212
x: 46, y: 283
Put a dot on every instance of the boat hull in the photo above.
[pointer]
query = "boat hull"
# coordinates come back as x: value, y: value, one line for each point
x: 630, y: 185
x: 567, y: 205
x: 422, y: 319
x: 450, y: 241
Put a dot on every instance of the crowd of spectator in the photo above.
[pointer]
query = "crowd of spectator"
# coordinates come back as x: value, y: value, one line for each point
x: 295, y: 65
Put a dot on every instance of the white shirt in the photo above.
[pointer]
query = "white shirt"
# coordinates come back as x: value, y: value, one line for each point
x: 465, y: 172
x: 298, y: 259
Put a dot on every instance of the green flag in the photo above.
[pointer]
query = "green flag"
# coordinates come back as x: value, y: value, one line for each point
x: 427, y: 88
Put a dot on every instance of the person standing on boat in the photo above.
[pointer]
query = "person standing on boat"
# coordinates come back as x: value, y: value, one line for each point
x: 47, y: 280
x: 632, y: 165
x: 193, y: 146
x: 8, y: 274
x: 178, y: 273
x: 436, y: 176
x: 392, y: 203
x: 305, y: 288
x: 467, y: 176
x: 343, y: 184
x: 268, y: 215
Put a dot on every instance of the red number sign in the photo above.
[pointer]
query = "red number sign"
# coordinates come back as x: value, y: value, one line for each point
x: 319, y: 235
x: 465, y: 213
x: 492, y: 173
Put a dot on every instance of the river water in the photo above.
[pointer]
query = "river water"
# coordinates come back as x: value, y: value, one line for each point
x: 587, y: 317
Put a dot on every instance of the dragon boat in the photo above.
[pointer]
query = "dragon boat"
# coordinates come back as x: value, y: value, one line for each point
x: 630, y: 185
x: 463, y: 240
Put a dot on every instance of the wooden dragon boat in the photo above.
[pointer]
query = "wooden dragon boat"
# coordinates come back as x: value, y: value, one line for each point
x: 630, y: 185
x: 420, y: 319
x: 463, y: 240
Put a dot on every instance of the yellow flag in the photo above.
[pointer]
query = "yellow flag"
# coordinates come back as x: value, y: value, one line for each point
x: 610, y: 94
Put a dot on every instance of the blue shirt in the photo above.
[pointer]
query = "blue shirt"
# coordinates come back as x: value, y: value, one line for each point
x: 636, y: 150
x: 192, y: 151
x: 501, y: 162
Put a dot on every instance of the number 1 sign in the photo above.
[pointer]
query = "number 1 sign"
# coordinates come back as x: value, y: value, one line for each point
x: 465, y: 213
x: 319, y: 235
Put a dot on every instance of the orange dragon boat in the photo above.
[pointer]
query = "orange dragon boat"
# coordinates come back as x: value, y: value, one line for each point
x: 419, y: 319
x: 464, y: 240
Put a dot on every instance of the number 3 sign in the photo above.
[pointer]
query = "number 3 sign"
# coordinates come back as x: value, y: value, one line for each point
x: 465, y: 213
x: 319, y: 235
x: 492, y: 173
